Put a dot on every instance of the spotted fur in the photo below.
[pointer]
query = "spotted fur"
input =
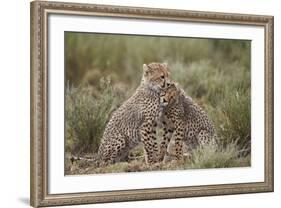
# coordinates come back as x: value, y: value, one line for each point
x: 135, y: 120
x: 181, y: 116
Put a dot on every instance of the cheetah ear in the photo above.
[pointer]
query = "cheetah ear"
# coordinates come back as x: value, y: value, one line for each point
x: 177, y: 85
x: 165, y: 64
x: 173, y: 84
x: 145, y: 68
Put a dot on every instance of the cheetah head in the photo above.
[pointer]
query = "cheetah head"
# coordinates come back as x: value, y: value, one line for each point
x: 156, y: 76
x: 169, y: 95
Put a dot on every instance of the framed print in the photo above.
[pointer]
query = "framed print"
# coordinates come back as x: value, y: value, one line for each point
x: 140, y: 103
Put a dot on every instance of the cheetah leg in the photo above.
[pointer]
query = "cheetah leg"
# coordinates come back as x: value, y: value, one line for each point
x: 205, y: 138
x: 190, y: 142
x: 114, y: 152
x: 120, y: 151
x: 179, y: 135
x: 148, y: 138
x: 155, y: 143
x: 168, y: 133
x: 104, y: 158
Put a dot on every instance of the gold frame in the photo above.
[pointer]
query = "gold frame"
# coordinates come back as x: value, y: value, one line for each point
x: 39, y: 103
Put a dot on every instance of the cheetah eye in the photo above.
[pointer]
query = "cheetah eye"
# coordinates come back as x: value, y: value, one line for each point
x: 162, y: 77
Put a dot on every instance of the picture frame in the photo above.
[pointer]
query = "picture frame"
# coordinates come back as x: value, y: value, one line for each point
x: 40, y: 104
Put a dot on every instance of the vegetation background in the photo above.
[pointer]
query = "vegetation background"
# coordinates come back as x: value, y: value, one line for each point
x: 103, y: 70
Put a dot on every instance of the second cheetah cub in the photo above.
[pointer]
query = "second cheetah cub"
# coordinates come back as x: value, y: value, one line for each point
x: 181, y: 116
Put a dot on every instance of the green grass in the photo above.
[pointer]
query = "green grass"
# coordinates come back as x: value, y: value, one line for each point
x: 87, y: 114
x: 104, y: 70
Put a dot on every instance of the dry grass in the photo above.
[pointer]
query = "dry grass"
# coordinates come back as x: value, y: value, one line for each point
x: 201, y: 158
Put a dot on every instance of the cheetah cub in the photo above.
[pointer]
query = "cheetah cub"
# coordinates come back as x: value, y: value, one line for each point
x: 135, y: 120
x: 181, y: 116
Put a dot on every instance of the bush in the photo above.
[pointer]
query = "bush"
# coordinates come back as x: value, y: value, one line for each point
x: 237, y: 121
x: 87, y: 115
